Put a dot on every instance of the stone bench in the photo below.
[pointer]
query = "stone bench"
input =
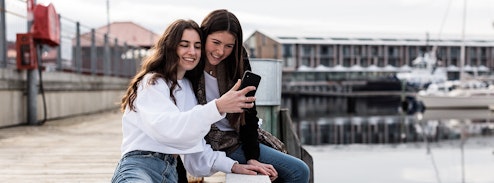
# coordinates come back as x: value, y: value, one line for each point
x: 236, y: 178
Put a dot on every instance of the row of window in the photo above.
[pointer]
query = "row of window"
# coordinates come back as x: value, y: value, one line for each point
x: 364, y: 50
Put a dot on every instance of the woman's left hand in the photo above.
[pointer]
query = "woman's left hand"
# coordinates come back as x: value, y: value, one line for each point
x: 273, y: 174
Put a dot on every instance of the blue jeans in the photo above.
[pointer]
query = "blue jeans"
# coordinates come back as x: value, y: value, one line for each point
x: 289, y: 168
x: 146, y: 167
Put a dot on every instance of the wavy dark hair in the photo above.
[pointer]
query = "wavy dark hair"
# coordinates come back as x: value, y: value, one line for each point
x: 163, y: 61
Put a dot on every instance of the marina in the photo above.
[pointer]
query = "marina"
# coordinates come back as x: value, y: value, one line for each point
x: 406, y: 163
x: 379, y: 143
x: 321, y: 123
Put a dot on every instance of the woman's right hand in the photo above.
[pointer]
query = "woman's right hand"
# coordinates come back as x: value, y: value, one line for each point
x: 271, y: 172
x: 235, y: 100
x: 248, y: 169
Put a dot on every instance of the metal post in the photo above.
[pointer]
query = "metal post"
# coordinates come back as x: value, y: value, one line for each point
x: 138, y: 63
x: 106, y: 61
x: 93, y: 52
x: 3, y: 36
x: 116, y: 58
x: 462, y: 51
x: 134, y: 63
x: 59, y: 48
x: 125, y: 61
x: 32, y: 78
x: 78, y: 50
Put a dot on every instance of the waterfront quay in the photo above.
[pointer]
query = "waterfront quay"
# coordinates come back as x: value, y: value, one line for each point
x: 79, y: 149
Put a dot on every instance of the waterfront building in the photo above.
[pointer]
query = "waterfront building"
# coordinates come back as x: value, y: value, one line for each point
x: 342, y: 63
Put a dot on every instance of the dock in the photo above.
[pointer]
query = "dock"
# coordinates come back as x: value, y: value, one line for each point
x: 77, y: 149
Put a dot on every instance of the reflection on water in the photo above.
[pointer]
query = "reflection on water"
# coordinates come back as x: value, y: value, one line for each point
x: 417, y: 162
x: 374, y: 120
x: 376, y: 142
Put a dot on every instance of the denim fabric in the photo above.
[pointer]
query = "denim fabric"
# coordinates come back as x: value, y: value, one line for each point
x: 146, y: 167
x: 289, y: 168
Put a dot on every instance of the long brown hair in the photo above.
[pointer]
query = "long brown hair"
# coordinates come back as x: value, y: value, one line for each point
x: 223, y: 20
x: 234, y: 65
x: 163, y: 61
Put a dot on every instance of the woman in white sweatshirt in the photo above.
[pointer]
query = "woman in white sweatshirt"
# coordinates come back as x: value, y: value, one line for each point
x: 161, y: 117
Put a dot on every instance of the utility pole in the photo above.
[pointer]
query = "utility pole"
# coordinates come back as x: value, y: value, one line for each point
x: 32, y: 89
x: 3, y: 36
x: 462, y: 48
x: 108, y: 17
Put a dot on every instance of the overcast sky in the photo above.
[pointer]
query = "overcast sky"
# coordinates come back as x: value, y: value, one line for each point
x: 288, y: 17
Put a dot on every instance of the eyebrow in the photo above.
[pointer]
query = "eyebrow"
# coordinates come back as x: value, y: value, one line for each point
x: 214, y: 39
x: 189, y: 41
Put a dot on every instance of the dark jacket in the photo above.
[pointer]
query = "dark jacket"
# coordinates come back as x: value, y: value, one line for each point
x: 246, y: 124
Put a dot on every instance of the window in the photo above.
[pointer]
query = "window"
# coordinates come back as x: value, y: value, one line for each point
x: 472, y: 53
x: 324, y: 50
x: 287, y: 50
x: 252, y: 53
x: 412, y: 52
x: 307, y: 50
x: 357, y: 50
x: 275, y: 52
x: 325, y: 61
x: 375, y: 51
x: 455, y: 52
x: 306, y: 61
x: 483, y: 51
x: 346, y: 51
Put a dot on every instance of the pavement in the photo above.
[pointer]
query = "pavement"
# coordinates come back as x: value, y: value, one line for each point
x: 76, y: 149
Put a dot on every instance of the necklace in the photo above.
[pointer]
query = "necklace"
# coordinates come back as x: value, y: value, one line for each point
x: 212, y: 70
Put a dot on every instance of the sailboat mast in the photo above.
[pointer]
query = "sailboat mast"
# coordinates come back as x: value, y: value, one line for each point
x: 462, y: 51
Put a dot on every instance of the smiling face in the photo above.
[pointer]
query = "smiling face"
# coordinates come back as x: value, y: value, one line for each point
x: 188, y: 51
x: 219, y: 45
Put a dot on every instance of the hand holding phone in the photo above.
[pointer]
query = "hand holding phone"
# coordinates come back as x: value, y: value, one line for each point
x: 250, y: 79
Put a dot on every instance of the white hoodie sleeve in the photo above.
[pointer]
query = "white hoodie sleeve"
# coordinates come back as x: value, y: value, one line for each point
x: 207, y: 162
x: 162, y: 120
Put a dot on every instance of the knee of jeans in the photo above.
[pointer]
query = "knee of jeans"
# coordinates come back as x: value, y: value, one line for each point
x: 305, y: 171
x: 302, y: 172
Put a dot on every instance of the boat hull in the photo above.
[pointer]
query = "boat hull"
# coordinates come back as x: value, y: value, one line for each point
x: 431, y: 101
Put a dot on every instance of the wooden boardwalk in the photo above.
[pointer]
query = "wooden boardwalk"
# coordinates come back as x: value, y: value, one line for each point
x: 79, y: 149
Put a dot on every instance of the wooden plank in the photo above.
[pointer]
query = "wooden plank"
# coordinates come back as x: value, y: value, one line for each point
x: 78, y: 149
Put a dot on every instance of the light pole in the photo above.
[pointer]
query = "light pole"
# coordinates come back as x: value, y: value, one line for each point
x: 108, y: 17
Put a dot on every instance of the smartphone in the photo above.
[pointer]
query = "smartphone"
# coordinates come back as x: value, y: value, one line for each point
x: 250, y: 79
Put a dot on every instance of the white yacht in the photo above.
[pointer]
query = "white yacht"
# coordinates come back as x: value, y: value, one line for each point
x: 458, y: 94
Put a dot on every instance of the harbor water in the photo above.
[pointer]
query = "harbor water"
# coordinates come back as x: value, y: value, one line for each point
x: 371, y: 139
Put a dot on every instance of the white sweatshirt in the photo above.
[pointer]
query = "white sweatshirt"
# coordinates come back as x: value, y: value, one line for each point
x: 161, y: 126
x: 208, y: 162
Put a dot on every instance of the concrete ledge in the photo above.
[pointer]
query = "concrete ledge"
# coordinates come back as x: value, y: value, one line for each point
x: 67, y: 94
x: 240, y: 178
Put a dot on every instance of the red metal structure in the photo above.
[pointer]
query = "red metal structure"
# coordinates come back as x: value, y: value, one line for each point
x: 26, y: 52
x: 46, y: 25
x: 45, y: 30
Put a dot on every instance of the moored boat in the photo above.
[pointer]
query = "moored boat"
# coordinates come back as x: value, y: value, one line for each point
x: 477, y: 95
